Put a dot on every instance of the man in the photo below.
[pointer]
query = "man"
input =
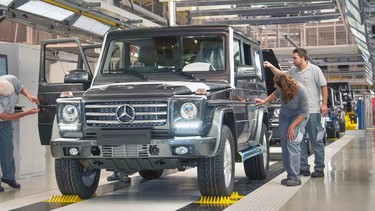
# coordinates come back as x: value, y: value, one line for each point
x: 10, y: 87
x: 312, y: 77
x: 118, y: 176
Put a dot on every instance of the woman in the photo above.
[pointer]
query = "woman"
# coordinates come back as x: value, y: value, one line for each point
x: 294, y: 113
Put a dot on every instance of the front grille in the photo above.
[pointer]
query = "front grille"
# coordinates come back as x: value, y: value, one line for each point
x: 122, y: 151
x: 126, y: 114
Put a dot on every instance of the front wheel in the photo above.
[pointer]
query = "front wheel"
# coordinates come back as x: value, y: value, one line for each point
x: 216, y: 174
x: 74, y: 179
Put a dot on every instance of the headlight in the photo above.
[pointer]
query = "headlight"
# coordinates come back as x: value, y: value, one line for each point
x: 69, y: 113
x: 188, y: 110
x: 68, y: 116
x: 276, y: 112
x: 187, y: 116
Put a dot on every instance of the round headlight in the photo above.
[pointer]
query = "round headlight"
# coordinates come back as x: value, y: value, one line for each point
x: 69, y: 113
x: 188, y: 110
x: 276, y: 112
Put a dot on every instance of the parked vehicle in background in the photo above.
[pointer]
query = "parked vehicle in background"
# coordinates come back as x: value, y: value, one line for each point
x: 163, y: 98
x: 333, y: 116
x: 347, y: 94
x: 339, y: 104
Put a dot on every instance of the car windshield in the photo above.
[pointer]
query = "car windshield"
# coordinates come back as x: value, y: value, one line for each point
x: 177, y: 55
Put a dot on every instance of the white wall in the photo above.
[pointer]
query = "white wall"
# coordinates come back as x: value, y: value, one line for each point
x: 29, y: 154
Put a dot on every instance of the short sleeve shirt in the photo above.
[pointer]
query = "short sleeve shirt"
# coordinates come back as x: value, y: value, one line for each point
x: 7, y: 103
x: 313, y: 79
x: 299, y: 105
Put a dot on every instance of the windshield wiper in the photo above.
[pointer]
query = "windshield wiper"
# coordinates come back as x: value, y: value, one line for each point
x: 179, y: 70
x: 139, y: 75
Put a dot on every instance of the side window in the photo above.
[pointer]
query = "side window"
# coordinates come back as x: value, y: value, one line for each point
x: 236, y: 52
x: 247, y: 54
x: 59, y: 60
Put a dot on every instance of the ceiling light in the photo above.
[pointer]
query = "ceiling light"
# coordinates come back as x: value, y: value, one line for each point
x: 91, y: 25
x: 5, y: 2
x: 45, y: 10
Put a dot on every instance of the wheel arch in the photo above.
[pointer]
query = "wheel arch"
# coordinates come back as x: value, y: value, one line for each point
x: 222, y: 115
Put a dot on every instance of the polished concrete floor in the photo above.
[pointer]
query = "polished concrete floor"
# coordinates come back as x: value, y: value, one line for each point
x: 348, y: 185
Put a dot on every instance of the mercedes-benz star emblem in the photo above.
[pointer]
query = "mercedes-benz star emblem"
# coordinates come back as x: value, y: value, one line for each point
x: 125, y: 113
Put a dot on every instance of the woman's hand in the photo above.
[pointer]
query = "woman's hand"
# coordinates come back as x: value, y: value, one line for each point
x: 259, y: 101
x: 290, y: 134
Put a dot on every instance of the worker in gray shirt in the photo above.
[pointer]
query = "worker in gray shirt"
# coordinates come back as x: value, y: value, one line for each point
x: 294, y: 114
x: 312, y: 77
x: 10, y: 87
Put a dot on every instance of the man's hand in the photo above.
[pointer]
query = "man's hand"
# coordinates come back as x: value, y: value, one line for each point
x: 323, y: 110
x: 267, y: 64
x: 31, y: 111
x: 33, y: 99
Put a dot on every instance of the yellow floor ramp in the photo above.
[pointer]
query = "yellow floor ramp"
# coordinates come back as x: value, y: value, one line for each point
x: 64, y: 199
x: 219, y: 200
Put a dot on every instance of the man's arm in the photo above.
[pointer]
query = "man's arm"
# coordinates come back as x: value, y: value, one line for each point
x: 323, y: 107
x: 27, y: 94
x: 9, y: 116
x: 273, y: 68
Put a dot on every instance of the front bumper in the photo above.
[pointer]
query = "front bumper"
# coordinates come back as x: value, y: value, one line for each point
x: 157, y: 148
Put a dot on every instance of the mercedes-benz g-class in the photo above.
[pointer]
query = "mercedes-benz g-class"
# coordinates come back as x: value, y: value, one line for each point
x: 161, y: 98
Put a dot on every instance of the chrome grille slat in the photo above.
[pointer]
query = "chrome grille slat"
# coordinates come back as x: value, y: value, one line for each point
x: 119, y: 123
x: 121, y: 151
x: 146, y: 114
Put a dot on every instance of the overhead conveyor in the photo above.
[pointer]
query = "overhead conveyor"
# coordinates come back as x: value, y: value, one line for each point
x: 84, y: 19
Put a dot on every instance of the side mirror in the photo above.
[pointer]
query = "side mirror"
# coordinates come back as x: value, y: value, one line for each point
x: 244, y: 71
x: 77, y: 76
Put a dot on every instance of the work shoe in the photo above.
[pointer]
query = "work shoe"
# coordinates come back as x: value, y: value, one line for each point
x: 113, y: 177
x: 317, y: 174
x: 1, y: 188
x: 304, y: 173
x: 283, y: 181
x: 291, y: 182
x: 11, y: 183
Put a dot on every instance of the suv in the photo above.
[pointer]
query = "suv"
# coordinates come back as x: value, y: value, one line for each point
x: 160, y: 98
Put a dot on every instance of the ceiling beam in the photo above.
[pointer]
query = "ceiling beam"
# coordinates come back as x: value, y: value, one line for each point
x: 262, y: 11
x: 277, y: 20
x: 190, y: 3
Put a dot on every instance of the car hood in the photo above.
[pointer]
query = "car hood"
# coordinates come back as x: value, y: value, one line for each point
x: 161, y: 89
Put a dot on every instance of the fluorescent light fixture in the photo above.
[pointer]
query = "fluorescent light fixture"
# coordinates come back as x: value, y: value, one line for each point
x: 355, y: 24
x: 353, y: 10
x: 5, y: 2
x: 46, y: 10
x: 91, y: 25
x: 358, y: 34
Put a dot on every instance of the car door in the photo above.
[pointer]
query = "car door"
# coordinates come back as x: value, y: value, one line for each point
x: 57, y: 58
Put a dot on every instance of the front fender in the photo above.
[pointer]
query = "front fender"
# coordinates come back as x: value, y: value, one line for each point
x: 217, y: 125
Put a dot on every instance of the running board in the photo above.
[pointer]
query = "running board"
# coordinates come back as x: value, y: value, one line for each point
x: 250, y: 152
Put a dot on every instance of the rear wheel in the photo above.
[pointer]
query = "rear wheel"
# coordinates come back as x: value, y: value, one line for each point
x: 151, y: 174
x: 257, y: 167
x: 216, y: 174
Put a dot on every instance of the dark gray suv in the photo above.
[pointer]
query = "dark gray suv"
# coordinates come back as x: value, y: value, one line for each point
x: 161, y: 98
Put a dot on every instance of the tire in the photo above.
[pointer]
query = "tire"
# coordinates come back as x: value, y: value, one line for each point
x: 331, y: 133
x: 73, y: 179
x: 216, y: 174
x: 257, y: 167
x: 308, y: 145
x: 151, y: 174
x: 63, y: 179
x: 342, y: 126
